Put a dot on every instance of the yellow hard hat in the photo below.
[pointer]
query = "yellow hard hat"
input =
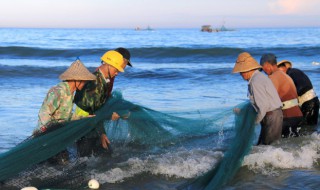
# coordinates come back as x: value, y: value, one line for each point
x: 114, y: 59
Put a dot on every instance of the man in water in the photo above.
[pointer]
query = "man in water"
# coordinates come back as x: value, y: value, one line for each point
x: 58, y: 104
x: 263, y: 97
x: 308, y: 100
x: 94, y: 94
x: 292, y: 115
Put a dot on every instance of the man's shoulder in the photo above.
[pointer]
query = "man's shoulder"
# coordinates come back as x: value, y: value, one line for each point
x: 293, y: 70
x: 259, y: 76
x: 58, y: 89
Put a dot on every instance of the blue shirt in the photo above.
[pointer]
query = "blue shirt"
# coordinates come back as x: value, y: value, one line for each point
x: 263, y: 95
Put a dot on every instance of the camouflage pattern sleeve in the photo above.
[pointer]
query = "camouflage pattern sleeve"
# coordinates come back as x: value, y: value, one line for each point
x: 86, y: 98
x: 49, y: 106
x: 93, y: 95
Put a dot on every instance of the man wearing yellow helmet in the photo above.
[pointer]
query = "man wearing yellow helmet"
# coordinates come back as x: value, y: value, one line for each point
x: 95, y: 93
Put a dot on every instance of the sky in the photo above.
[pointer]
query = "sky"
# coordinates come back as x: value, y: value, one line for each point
x: 158, y: 13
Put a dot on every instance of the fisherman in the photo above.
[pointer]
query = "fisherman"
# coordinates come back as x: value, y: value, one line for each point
x: 58, y: 104
x: 263, y: 97
x: 126, y: 57
x: 307, y: 98
x: 95, y: 94
x: 292, y: 115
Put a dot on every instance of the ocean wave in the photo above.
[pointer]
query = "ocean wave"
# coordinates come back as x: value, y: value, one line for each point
x: 31, y: 71
x: 178, y: 164
x: 268, y: 159
x: 137, y: 73
x: 156, y: 54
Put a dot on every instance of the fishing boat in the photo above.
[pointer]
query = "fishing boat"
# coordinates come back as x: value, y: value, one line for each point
x: 208, y: 28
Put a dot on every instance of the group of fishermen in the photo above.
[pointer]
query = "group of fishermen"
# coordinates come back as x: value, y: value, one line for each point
x: 284, y: 101
x: 89, y: 91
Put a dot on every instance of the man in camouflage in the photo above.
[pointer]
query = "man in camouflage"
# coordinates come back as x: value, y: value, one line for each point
x: 95, y: 94
x: 58, y: 104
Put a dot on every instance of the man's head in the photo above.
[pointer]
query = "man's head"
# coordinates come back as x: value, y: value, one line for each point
x: 126, y: 55
x: 269, y: 63
x: 113, y: 62
x: 78, y: 73
x: 245, y: 65
x: 284, y: 65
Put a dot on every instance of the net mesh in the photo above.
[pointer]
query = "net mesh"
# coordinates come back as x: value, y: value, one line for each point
x: 241, y: 144
x: 144, y: 127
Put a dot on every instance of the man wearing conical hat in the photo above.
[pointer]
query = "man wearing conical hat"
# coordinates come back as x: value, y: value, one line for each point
x: 95, y: 94
x: 263, y: 97
x: 292, y: 115
x: 307, y: 98
x: 57, y: 106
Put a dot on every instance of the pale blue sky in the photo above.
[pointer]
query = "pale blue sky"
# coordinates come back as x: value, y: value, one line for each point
x: 159, y: 13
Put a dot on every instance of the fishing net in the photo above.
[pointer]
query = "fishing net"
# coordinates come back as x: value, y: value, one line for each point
x: 232, y: 159
x: 144, y: 127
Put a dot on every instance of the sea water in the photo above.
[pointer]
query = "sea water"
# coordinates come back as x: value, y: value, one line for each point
x: 182, y: 72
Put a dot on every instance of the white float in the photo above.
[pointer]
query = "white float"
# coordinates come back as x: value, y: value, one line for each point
x: 93, y: 184
x: 29, y: 188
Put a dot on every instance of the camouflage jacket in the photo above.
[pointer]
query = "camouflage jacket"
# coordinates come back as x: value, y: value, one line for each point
x: 94, y: 94
x: 57, y: 106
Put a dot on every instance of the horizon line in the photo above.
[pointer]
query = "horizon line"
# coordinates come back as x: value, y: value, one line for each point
x: 154, y: 28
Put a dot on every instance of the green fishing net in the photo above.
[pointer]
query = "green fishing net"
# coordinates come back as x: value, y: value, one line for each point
x: 144, y: 127
x: 241, y: 144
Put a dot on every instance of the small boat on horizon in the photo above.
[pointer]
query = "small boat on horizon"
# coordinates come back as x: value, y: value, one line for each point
x: 144, y: 29
x: 208, y: 28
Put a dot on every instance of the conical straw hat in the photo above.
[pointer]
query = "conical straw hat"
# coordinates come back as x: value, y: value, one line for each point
x: 287, y: 63
x: 77, y: 71
x: 244, y: 63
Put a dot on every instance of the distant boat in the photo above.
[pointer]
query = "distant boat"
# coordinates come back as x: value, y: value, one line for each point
x: 207, y: 28
x: 224, y: 29
x: 141, y: 29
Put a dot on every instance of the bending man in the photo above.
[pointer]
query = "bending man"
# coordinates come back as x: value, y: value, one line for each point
x: 263, y: 97
x: 58, y: 104
x: 292, y: 115
x: 307, y: 98
x: 94, y: 95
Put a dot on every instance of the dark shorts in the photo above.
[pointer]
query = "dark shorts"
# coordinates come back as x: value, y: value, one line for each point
x: 271, y: 127
x: 310, y: 111
x: 290, y: 127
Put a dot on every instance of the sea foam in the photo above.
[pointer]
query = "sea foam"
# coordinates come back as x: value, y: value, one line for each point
x: 266, y: 159
x: 179, y: 164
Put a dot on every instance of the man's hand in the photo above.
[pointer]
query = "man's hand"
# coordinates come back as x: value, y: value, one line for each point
x: 236, y: 110
x: 126, y: 116
x: 115, y: 116
x: 104, y: 141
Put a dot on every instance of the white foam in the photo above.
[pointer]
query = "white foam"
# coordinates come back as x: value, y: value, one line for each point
x: 265, y: 159
x: 180, y: 164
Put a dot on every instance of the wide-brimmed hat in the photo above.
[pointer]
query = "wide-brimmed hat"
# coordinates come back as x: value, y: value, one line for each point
x: 77, y: 71
x: 244, y: 63
x: 287, y: 63
x: 125, y: 53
